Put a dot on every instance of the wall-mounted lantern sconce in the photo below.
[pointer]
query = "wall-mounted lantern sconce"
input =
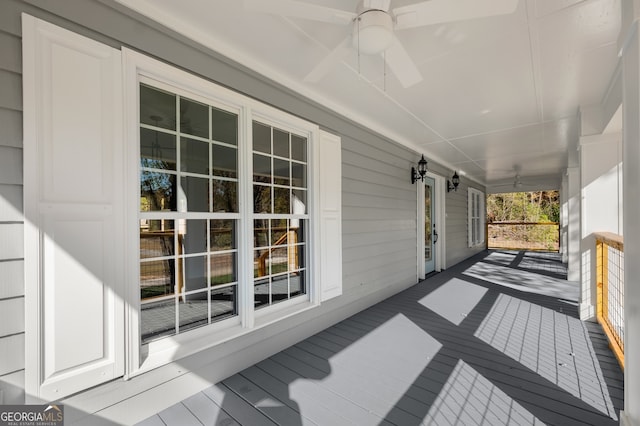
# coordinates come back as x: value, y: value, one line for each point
x: 422, y: 170
x: 453, y: 184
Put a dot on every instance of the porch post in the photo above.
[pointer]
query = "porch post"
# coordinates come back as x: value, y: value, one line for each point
x: 629, y: 44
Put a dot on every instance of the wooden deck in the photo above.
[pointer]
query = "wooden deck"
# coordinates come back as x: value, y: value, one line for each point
x: 494, y: 340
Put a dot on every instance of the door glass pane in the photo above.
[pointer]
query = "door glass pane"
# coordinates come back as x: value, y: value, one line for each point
x: 427, y: 223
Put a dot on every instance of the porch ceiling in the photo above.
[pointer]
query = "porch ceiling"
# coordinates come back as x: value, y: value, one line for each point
x: 500, y: 95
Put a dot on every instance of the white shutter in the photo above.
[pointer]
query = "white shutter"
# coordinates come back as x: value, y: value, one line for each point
x: 330, y: 186
x: 73, y: 193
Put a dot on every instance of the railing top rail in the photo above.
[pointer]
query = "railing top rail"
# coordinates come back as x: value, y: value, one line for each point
x: 609, y: 238
x: 523, y: 223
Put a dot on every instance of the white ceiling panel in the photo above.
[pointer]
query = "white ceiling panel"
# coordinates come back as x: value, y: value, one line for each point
x: 498, y: 93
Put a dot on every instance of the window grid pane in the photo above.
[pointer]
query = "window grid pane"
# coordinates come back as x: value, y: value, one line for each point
x: 188, y: 166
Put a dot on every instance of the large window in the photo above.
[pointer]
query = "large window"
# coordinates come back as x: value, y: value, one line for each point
x: 280, y: 212
x: 196, y: 234
x: 188, y: 213
x: 476, y: 214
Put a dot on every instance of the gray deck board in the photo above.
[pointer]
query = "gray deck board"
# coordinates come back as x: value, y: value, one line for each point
x: 466, y: 346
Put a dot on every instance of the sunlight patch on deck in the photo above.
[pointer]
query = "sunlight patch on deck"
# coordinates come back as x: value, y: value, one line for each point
x: 454, y: 299
x: 375, y: 371
x: 524, y: 280
x: 554, y: 345
x: 469, y: 398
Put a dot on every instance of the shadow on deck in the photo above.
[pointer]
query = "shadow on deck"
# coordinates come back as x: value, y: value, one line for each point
x: 493, y: 340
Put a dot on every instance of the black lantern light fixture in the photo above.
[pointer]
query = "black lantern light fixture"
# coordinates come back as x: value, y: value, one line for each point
x: 453, y: 184
x: 422, y: 170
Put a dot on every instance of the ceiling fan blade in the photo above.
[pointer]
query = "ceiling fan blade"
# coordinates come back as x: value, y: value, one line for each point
x: 296, y: 9
x: 335, y: 56
x: 401, y: 64
x: 440, y: 11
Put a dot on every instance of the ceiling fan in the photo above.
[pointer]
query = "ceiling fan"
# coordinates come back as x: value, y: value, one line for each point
x: 374, y: 25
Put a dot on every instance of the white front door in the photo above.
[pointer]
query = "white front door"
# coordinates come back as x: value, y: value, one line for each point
x: 430, y: 233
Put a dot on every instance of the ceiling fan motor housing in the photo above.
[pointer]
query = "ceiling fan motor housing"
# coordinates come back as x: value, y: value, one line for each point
x: 373, y: 32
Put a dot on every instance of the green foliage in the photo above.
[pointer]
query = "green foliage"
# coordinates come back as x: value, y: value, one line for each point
x: 539, y: 206
x: 529, y: 207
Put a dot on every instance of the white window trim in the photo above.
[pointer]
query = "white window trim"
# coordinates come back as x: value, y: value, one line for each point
x: 479, y: 197
x: 141, y: 359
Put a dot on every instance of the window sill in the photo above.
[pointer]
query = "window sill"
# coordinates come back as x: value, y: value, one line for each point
x: 162, y: 352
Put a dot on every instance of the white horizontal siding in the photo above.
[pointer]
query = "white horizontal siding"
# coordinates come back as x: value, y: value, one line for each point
x: 11, y: 316
x: 11, y: 210
x: 12, y: 386
x: 11, y: 48
x: 11, y: 89
x: 10, y: 165
x: 11, y: 203
x: 379, y: 215
x: 12, y: 273
x: 11, y: 353
x: 11, y: 125
x: 11, y: 241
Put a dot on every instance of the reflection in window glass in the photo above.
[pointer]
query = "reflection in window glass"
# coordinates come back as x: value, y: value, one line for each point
x: 188, y: 172
x: 280, y: 172
x: 299, y: 175
x: 156, y: 238
x: 194, y: 118
x: 260, y: 232
x: 194, y: 156
x: 225, y: 196
x: 261, y: 199
x: 223, y: 235
x: 194, y: 311
x: 298, y: 148
x: 223, y: 302
x: 299, y: 201
x: 262, y: 293
x: 196, y: 194
x: 157, y: 191
x: 279, y: 189
x: 223, y: 268
x: 225, y: 161
x: 157, y: 278
x: 281, y: 202
x: 261, y: 138
x: 261, y: 168
x: 158, y: 319
x: 157, y: 108
x: 280, y: 143
x: 225, y: 126
x: 193, y: 234
x: 157, y: 150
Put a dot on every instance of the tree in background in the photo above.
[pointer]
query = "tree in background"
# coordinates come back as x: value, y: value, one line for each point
x: 524, y: 207
x: 538, y: 206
